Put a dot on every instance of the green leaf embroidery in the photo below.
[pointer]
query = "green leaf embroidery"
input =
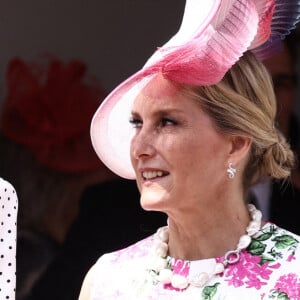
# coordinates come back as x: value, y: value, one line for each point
x: 266, y: 259
x: 275, y: 254
x: 256, y: 248
x: 209, y: 291
x: 273, y: 229
x: 279, y: 295
x: 264, y: 236
x: 282, y: 296
x: 284, y: 241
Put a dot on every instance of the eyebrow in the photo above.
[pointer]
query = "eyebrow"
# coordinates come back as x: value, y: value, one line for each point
x: 161, y: 112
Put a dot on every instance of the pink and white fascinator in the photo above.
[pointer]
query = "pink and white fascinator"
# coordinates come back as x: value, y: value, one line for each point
x: 213, y: 36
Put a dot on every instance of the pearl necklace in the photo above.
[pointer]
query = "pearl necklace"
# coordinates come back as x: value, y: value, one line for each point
x: 165, y: 275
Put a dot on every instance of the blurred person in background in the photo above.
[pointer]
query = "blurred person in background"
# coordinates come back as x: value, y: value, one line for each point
x: 47, y: 155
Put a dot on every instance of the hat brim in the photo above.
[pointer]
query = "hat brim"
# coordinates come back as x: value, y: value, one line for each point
x: 111, y: 131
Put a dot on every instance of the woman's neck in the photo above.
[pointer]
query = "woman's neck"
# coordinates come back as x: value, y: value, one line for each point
x: 207, y: 232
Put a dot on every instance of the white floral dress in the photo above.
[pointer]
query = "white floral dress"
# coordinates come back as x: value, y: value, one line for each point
x: 268, y: 269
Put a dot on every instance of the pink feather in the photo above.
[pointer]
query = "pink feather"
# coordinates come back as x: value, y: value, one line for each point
x: 204, y: 61
x: 286, y: 15
x: 265, y: 9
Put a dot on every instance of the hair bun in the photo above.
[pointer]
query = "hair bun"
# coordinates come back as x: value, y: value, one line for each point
x: 279, y: 159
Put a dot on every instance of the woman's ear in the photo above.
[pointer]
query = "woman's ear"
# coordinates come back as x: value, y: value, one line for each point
x: 240, y: 147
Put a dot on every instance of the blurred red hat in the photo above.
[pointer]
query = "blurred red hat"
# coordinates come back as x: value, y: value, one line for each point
x: 48, y: 109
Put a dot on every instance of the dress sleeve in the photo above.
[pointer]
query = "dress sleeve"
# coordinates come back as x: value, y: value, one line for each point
x: 8, y: 219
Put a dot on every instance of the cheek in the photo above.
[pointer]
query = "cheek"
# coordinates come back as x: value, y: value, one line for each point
x: 185, y: 153
x: 201, y: 157
x: 131, y: 153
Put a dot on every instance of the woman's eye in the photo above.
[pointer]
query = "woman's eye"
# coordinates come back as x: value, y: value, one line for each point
x: 168, y: 121
x: 135, y: 122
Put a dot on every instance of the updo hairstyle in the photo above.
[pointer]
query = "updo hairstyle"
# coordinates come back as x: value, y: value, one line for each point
x: 243, y: 103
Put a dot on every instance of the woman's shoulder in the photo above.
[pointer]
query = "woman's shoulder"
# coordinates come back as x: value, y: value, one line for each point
x: 276, y: 237
x: 123, y: 266
x: 137, y: 251
x: 271, y: 230
x: 275, y: 245
x: 277, y: 255
x: 276, y: 251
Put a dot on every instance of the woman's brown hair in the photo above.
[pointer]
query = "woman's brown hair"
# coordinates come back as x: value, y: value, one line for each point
x: 243, y: 103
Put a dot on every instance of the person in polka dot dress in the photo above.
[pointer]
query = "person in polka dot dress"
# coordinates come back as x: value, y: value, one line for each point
x: 8, y: 217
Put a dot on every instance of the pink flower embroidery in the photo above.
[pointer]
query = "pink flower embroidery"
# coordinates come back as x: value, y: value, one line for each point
x: 248, y: 271
x: 290, y: 258
x: 289, y: 284
x: 180, y: 267
x: 137, y: 250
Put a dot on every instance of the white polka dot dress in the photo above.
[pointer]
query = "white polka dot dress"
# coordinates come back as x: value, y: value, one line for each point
x: 8, y: 219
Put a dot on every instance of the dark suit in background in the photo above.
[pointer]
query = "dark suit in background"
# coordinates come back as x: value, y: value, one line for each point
x: 285, y: 206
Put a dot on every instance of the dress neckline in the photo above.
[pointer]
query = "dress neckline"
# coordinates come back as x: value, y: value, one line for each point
x: 220, y: 258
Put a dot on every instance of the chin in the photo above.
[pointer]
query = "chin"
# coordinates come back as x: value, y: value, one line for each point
x: 152, y: 200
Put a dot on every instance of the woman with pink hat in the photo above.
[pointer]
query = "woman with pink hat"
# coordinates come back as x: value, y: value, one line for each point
x: 195, y: 127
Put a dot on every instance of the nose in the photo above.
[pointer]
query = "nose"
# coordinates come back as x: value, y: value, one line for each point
x: 142, y: 145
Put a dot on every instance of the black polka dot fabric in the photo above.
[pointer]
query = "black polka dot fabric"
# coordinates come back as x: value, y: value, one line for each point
x: 8, y: 226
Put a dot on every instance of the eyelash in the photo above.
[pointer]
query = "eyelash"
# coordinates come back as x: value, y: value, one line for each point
x: 164, y: 121
x: 135, y: 122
